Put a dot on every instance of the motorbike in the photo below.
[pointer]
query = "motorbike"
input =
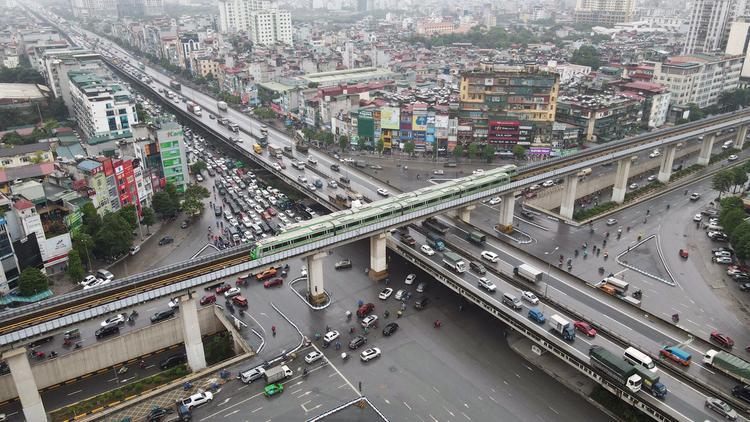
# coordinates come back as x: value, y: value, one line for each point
x: 344, y: 356
x: 676, y: 318
x: 348, y: 315
x: 601, y: 270
x: 638, y: 294
x: 305, y: 372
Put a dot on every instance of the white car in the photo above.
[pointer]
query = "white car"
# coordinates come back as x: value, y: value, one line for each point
x: 654, y: 154
x: 732, y: 157
x: 698, y: 217
x: 385, y: 294
x: 651, y: 178
x: 633, y: 186
x: 611, y: 221
x: 722, y: 260
x: 369, y: 321
x: 117, y: 319
x: 486, y: 284
x: 96, y: 283
x: 695, y: 196
x: 478, y: 172
x: 427, y: 250
x: 197, y: 399
x: 313, y: 356
x: 276, y: 166
x: 331, y: 336
x: 234, y: 291
x: 410, y: 279
x: 548, y: 183
x: 490, y: 256
x: 383, y: 192
x: 369, y: 354
x: 400, y: 294
x: 530, y: 297
x: 494, y: 201
x: 234, y: 222
x: 89, y: 279
x: 303, y: 271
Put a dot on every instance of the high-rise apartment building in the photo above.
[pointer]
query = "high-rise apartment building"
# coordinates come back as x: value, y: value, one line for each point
x: 708, y: 27
x: 57, y: 64
x: 604, y: 12
x: 739, y: 44
x: 699, y: 78
x: 507, y: 105
x: 100, y: 106
x: 261, y: 18
x: 93, y: 8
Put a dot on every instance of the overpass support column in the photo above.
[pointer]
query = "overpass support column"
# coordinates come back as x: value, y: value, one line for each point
x: 706, y: 146
x: 315, y: 287
x: 739, y: 141
x: 378, y: 264
x: 23, y: 378
x: 567, y: 206
x: 507, y: 206
x: 465, y: 213
x: 191, y: 333
x: 621, y: 180
x: 665, y: 171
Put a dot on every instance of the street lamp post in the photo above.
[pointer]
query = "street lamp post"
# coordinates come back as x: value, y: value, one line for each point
x: 549, y: 268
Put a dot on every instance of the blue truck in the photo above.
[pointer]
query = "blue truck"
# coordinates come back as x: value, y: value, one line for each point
x: 436, y: 241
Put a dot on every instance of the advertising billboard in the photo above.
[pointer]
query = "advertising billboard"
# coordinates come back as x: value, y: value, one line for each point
x: 441, y: 122
x: 419, y: 123
x: 390, y: 118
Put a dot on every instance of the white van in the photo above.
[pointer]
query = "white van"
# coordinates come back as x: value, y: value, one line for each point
x: 635, y: 357
x: 727, y: 145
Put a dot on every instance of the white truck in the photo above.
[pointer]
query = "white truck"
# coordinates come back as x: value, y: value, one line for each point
x: 277, y: 373
x: 529, y: 273
x: 562, y: 327
x: 454, y: 262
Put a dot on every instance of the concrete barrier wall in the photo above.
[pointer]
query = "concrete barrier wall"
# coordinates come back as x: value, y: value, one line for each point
x: 109, y: 352
x: 550, y: 198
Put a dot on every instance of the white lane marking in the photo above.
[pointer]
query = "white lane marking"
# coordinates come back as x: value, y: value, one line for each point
x: 466, y: 416
x: 75, y: 392
x: 449, y: 412
x: 231, y: 413
x: 256, y: 409
x: 553, y: 409
x: 407, y: 406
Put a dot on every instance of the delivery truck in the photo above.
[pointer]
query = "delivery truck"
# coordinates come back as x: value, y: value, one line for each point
x: 277, y: 373
x: 194, y: 108
x: 562, y: 327
x: 529, y: 273
x: 275, y: 151
x: 615, y: 367
x: 728, y: 364
x: 436, y: 241
x: 454, y: 262
x: 614, y: 286
x: 651, y: 383
x: 435, y: 225
x: 476, y: 237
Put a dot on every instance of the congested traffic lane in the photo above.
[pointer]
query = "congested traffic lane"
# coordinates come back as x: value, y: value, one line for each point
x: 682, y: 398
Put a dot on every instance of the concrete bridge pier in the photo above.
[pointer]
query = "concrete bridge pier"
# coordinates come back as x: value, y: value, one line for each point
x: 23, y: 378
x: 315, y: 288
x: 567, y: 206
x: 621, y: 180
x: 507, y: 206
x: 378, y: 265
x: 665, y: 170
x: 465, y: 213
x: 704, y: 156
x: 191, y: 333
x: 739, y: 141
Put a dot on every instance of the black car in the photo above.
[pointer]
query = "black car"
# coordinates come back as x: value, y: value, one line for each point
x: 357, y: 342
x: 390, y: 329
x: 173, y: 360
x: 742, y: 391
x: 343, y: 264
x: 745, y: 287
x: 335, y: 167
x: 166, y: 240
x: 528, y: 214
x: 157, y: 413
x: 107, y: 330
x: 421, y: 302
x: 162, y: 315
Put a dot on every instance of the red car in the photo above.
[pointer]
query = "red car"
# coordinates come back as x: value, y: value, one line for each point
x: 585, y: 328
x: 683, y: 253
x: 365, y: 309
x: 274, y: 282
x: 722, y: 339
x: 223, y: 288
x: 240, y: 301
x: 205, y: 300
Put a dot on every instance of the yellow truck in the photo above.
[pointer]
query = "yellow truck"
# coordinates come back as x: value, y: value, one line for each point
x: 257, y: 149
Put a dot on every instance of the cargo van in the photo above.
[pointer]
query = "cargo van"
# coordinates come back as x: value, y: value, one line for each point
x: 512, y: 301
x: 635, y: 357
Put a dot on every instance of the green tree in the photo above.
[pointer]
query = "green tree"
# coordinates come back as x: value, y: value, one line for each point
x: 129, y: 213
x: 739, y: 177
x: 91, y: 220
x: 218, y: 348
x: 586, y: 55
x: 519, y: 152
x: 166, y: 203
x: 731, y: 202
x: 327, y: 138
x: 473, y: 150
x: 75, y: 266
x: 115, y: 238
x: 731, y: 218
x: 148, y: 219
x: 722, y: 181
x: 197, y: 167
x: 192, y: 203
x: 32, y: 281
x: 361, y: 143
x: 488, y: 152
x: 458, y: 152
x: 409, y: 147
x: 343, y: 143
x: 84, y: 244
x: 380, y: 146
